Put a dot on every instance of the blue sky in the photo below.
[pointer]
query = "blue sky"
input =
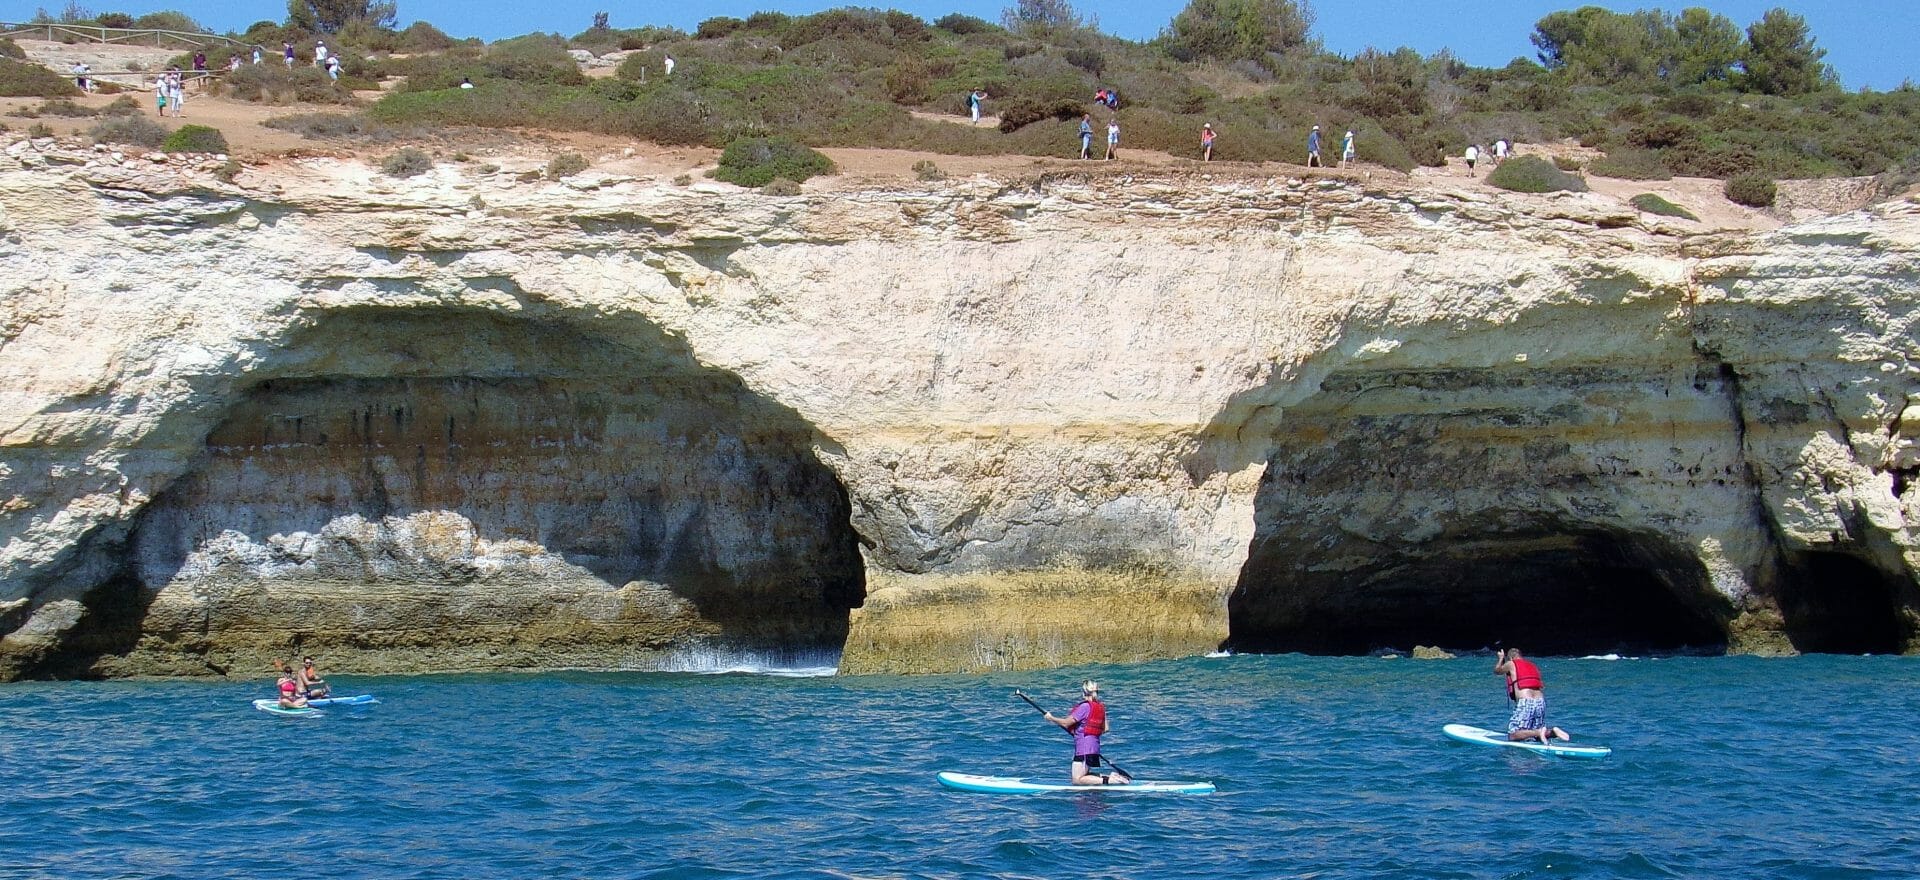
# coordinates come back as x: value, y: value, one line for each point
x: 1871, y: 42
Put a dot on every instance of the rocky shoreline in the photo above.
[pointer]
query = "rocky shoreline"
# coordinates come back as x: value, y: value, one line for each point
x: 953, y: 426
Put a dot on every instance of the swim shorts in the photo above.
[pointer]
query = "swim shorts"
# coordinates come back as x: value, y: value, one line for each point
x: 1529, y: 713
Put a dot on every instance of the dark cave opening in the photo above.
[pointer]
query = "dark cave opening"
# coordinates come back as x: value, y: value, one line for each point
x: 393, y: 449
x: 1834, y: 603
x: 1574, y: 592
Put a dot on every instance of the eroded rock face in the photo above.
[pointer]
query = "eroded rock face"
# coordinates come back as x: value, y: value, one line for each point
x: 1064, y: 420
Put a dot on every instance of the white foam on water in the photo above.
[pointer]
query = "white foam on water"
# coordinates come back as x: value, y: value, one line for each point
x: 719, y: 660
x: 1216, y: 655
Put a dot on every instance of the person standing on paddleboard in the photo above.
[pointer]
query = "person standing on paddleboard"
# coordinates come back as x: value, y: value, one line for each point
x: 1527, y: 691
x: 1087, y: 722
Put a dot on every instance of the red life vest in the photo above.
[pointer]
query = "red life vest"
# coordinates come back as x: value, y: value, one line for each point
x: 1525, y: 676
x: 1096, y: 723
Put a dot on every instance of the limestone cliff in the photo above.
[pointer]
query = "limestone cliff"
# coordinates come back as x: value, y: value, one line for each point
x: 464, y: 422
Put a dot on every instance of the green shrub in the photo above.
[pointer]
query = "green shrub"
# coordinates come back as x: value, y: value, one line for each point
x: 1752, y: 190
x: 406, y: 162
x: 169, y: 20
x: 1532, y: 174
x: 122, y: 106
x: 423, y: 37
x: 717, y: 27
x: 229, y: 170
x: 926, y: 170
x: 683, y: 180
x: 19, y: 79
x: 275, y: 84
x: 1018, y: 113
x: 781, y: 186
x: 1654, y: 204
x: 11, y: 49
x: 39, y: 130
x: 1567, y: 163
x: 63, y: 107
x: 322, y: 125
x: 134, y: 130
x: 195, y: 139
x: 1631, y: 165
x: 566, y: 165
x: 757, y: 161
x: 1089, y: 60
x: 535, y: 58
x: 955, y: 23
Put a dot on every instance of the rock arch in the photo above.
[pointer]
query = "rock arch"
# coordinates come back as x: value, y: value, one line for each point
x: 418, y: 489
x: 1463, y: 506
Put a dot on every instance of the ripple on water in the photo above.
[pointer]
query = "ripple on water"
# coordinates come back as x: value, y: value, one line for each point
x: 1327, y: 768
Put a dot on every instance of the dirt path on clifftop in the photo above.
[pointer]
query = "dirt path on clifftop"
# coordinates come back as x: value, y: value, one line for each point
x: 522, y: 151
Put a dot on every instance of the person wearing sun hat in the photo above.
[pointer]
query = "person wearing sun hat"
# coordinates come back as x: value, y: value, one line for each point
x: 1088, y: 722
x: 1313, y: 148
x: 1206, y: 142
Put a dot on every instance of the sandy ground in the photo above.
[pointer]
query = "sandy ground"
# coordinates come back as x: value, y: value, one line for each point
x: 254, y: 142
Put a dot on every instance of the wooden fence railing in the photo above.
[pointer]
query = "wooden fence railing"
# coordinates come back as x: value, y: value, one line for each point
x: 62, y: 32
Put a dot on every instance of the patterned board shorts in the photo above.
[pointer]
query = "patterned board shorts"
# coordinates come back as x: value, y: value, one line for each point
x: 1530, y: 713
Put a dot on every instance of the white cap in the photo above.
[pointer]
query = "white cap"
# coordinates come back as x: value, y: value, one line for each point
x: 1089, y: 687
x: 1316, y: 128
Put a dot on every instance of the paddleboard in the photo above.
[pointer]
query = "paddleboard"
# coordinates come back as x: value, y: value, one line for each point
x: 1017, y: 785
x: 355, y: 700
x: 1483, y: 737
x: 273, y: 707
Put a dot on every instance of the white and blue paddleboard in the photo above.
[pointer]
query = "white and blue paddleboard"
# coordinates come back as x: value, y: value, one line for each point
x: 273, y: 707
x: 355, y: 700
x: 1017, y: 785
x: 1483, y: 737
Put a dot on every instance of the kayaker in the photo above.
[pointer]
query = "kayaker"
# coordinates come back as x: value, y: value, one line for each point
x: 1527, y: 691
x: 290, y: 697
x: 311, y: 684
x: 1088, y: 722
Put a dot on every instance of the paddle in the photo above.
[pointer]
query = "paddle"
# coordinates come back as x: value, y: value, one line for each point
x: 1036, y: 707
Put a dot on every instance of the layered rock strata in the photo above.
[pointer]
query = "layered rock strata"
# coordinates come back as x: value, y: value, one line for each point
x: 463, y: 423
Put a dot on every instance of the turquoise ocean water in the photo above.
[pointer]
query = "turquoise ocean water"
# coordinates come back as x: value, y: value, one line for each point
x: 1327, y: 768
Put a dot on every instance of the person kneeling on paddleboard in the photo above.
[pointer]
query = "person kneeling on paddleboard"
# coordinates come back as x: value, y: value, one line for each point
x: 311, y: 684
x: 1088, y: 722
x: 1527, y: 692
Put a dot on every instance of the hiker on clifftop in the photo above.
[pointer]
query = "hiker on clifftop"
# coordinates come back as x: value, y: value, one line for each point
x: 1313, y: 148
x: 1113, y: 138
x: 973, y: 103
x: 1086, y: 136
x: 1206, y: 142
x: 1346, y: 149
